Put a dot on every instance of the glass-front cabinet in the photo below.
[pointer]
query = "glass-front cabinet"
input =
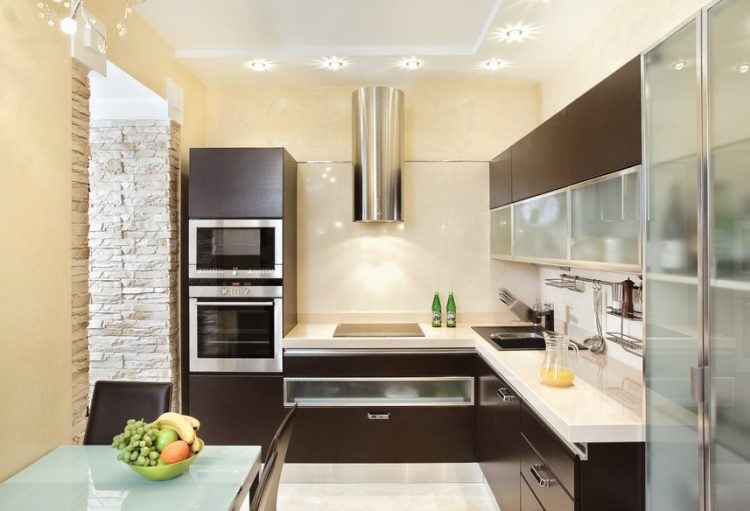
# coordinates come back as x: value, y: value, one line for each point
x: 501, y: 233
x: 540, y: 227
x: 605, y: 219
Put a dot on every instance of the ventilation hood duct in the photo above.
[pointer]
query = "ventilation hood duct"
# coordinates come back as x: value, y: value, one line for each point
x: 377, y: 138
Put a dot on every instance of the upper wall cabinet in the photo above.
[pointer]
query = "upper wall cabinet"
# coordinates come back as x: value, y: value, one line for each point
x: 539, y: 160
x: 604, y: 126
x: 500, y: 180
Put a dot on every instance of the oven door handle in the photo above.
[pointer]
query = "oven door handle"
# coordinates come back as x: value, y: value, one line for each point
x: 241, y: 304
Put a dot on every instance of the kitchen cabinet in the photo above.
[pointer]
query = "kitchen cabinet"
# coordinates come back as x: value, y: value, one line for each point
x: 529, y: 502
x: 500, y: 180
x: 539, y: 161
x: 540, y: 227
x: 237, y: 409
x: 501, y: 232
x: 498, y: 434
x: 605, y: 220
x: 604, y: 126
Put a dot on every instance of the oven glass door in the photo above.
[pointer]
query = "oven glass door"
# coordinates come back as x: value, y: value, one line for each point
x: 228, y: 248
x: 235, y: 329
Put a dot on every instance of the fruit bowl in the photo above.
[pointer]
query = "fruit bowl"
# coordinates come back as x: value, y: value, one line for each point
x: 164, y: 472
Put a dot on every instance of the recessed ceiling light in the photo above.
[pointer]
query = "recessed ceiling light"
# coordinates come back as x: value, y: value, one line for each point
x: 743, y: 68
x: 679, y: 65
x: 334, y: 63
x: 259, y: 65
x: 517, y: 33
x: 412, y: 63
x: 495, y: 64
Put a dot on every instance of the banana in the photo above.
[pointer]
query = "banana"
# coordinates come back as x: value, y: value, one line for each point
x: 193, y: 421
x: 179, y: 423
x: 197, y: 446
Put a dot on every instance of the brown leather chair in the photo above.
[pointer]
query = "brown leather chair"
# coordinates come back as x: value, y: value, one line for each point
x: 114, y: 402
x: 267, y: 492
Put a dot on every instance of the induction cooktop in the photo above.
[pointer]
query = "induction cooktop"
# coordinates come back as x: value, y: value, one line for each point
x: 378, y: 330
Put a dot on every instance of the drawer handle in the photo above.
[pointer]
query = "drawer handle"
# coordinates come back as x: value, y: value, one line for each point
x: 543, y: 482
x: 379, y: 416
x: 502, y: 392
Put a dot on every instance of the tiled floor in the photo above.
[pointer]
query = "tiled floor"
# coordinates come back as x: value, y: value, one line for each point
x: 383, y: 497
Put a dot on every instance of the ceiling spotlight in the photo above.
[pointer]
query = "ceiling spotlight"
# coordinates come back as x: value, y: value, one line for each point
x: 743, y: 68
x: 517, y: 33
x: 258, y: 65
x: 412, y: 63
x: 679, y: 65
x: 69, y: 26
x: 495, y: 64
x: 334, y: 63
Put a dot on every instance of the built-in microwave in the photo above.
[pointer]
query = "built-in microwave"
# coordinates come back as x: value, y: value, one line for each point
x: 235, y: 249
x: 235, y: 328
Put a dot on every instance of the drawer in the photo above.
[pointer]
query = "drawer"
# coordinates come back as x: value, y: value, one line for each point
x: 551, y: 449
x: 383, y: 435
x: 375, y: 365
x: 529, y: 502
x: 544, y: 482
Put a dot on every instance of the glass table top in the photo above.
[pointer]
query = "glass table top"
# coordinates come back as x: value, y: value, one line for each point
x: 91, y: 478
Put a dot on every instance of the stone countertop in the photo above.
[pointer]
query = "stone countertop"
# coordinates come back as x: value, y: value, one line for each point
x: 605, y: 404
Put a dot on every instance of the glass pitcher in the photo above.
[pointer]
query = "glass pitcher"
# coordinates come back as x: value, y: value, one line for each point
x: 557, y: 369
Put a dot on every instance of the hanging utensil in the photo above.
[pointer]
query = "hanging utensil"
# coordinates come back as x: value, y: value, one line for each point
x: 595, y: 343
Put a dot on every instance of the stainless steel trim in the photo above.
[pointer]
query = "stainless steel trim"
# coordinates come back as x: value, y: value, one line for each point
x: 238, y: 303
x: 235, y: 291
x: 569, y: 227
x: 502, y: 393
x: 377, y: 139
x: 543, y: 482
x: 379, y: 416
x: 313, y: 352
x: 195, y: 273
x: 231, y: 365
x: 244, y: 490
x: 606, y: 177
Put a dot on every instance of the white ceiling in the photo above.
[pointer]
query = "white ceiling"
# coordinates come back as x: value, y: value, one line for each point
x: 452, y: 37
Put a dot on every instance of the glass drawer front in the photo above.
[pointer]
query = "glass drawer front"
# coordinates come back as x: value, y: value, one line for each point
x: 449, y: 391
x: 540, y: 227
x: 605, y: 220
x: 501, y: 231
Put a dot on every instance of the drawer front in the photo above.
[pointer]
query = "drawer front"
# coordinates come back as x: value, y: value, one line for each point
x: 529, y: 502
x: 555, y: 455
x: 374, y: 365
x: 546, y: 485
x: 383, y: 435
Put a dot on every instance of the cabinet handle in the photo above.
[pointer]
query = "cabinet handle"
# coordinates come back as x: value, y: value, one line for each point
x: 541, y: 481
x: 502, y: 392
x: 379, y: 416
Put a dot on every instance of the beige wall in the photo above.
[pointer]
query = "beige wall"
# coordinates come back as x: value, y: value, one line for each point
x: 631, y: 28
x: 35, y: 234
x: 348, y: 268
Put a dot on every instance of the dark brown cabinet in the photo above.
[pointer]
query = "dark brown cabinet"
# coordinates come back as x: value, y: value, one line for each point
x: 500, y: 180
x: 237, y: 409
x: 529, y: 502
x: 498, y: 433
x: 604, y: 125
x: 539, y: 161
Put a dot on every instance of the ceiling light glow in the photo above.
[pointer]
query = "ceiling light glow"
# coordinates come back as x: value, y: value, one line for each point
x: 679, y: 65
x: 259, y: 65
x: 743, y: 68
x: 412, y: 63
x: 69, y: 26
x: 333, y: 63
x: 495, y: 64
x: 515, y: 33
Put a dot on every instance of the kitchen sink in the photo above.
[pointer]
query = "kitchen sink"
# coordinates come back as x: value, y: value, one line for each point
x: 512, y: 337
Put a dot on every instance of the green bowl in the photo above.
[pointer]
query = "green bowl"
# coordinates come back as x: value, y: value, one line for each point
x: 164, y: 472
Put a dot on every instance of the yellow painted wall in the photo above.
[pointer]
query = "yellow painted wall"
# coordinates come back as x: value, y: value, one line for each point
x: 35, y: 187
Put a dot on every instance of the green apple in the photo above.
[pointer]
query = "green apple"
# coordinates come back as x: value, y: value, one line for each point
x: 165, y: 437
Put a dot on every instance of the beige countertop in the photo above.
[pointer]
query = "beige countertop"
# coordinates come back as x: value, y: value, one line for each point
x: 605, y: 404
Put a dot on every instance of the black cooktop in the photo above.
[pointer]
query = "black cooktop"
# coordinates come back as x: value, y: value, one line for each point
x: 378, y: 330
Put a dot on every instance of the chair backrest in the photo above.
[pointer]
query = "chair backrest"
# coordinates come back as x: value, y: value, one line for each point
x: 114, y: 402
x: 267, y: 492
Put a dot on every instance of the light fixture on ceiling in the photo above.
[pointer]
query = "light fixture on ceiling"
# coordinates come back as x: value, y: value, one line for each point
x: 495, y: 64
x: 334, y: 63
x: 259, y: 65
x: 743, y: 68
x: 412, y: 63
x: 517, y: 33
x: 679, y: 65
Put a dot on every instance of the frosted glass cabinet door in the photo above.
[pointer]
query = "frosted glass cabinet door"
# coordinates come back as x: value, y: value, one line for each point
x: 501, y: 232
x: 540, y: 227
x: 605, y: 220
x: 672, y: 334
x: 728, y: 41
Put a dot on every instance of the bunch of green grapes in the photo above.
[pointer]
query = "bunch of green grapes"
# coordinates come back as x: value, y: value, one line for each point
x: 137, y: 444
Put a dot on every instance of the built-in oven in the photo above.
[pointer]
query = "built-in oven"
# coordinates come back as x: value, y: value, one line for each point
x: 235, y: 328
x: 235, y: 249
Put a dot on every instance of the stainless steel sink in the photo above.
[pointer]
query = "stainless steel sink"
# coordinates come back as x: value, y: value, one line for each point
x: 513, y: 338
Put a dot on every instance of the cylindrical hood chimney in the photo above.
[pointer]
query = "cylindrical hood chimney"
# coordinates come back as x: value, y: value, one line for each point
x: 377, y: 138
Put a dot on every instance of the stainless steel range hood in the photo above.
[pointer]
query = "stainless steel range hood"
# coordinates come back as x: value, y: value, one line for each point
x: 377, y: 135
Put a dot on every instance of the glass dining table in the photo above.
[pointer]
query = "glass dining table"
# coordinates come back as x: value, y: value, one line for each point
x: 90, y: 478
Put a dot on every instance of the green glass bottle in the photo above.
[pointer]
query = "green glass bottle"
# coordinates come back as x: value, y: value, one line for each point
x: 437, y: 311
x: 450, y: 312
